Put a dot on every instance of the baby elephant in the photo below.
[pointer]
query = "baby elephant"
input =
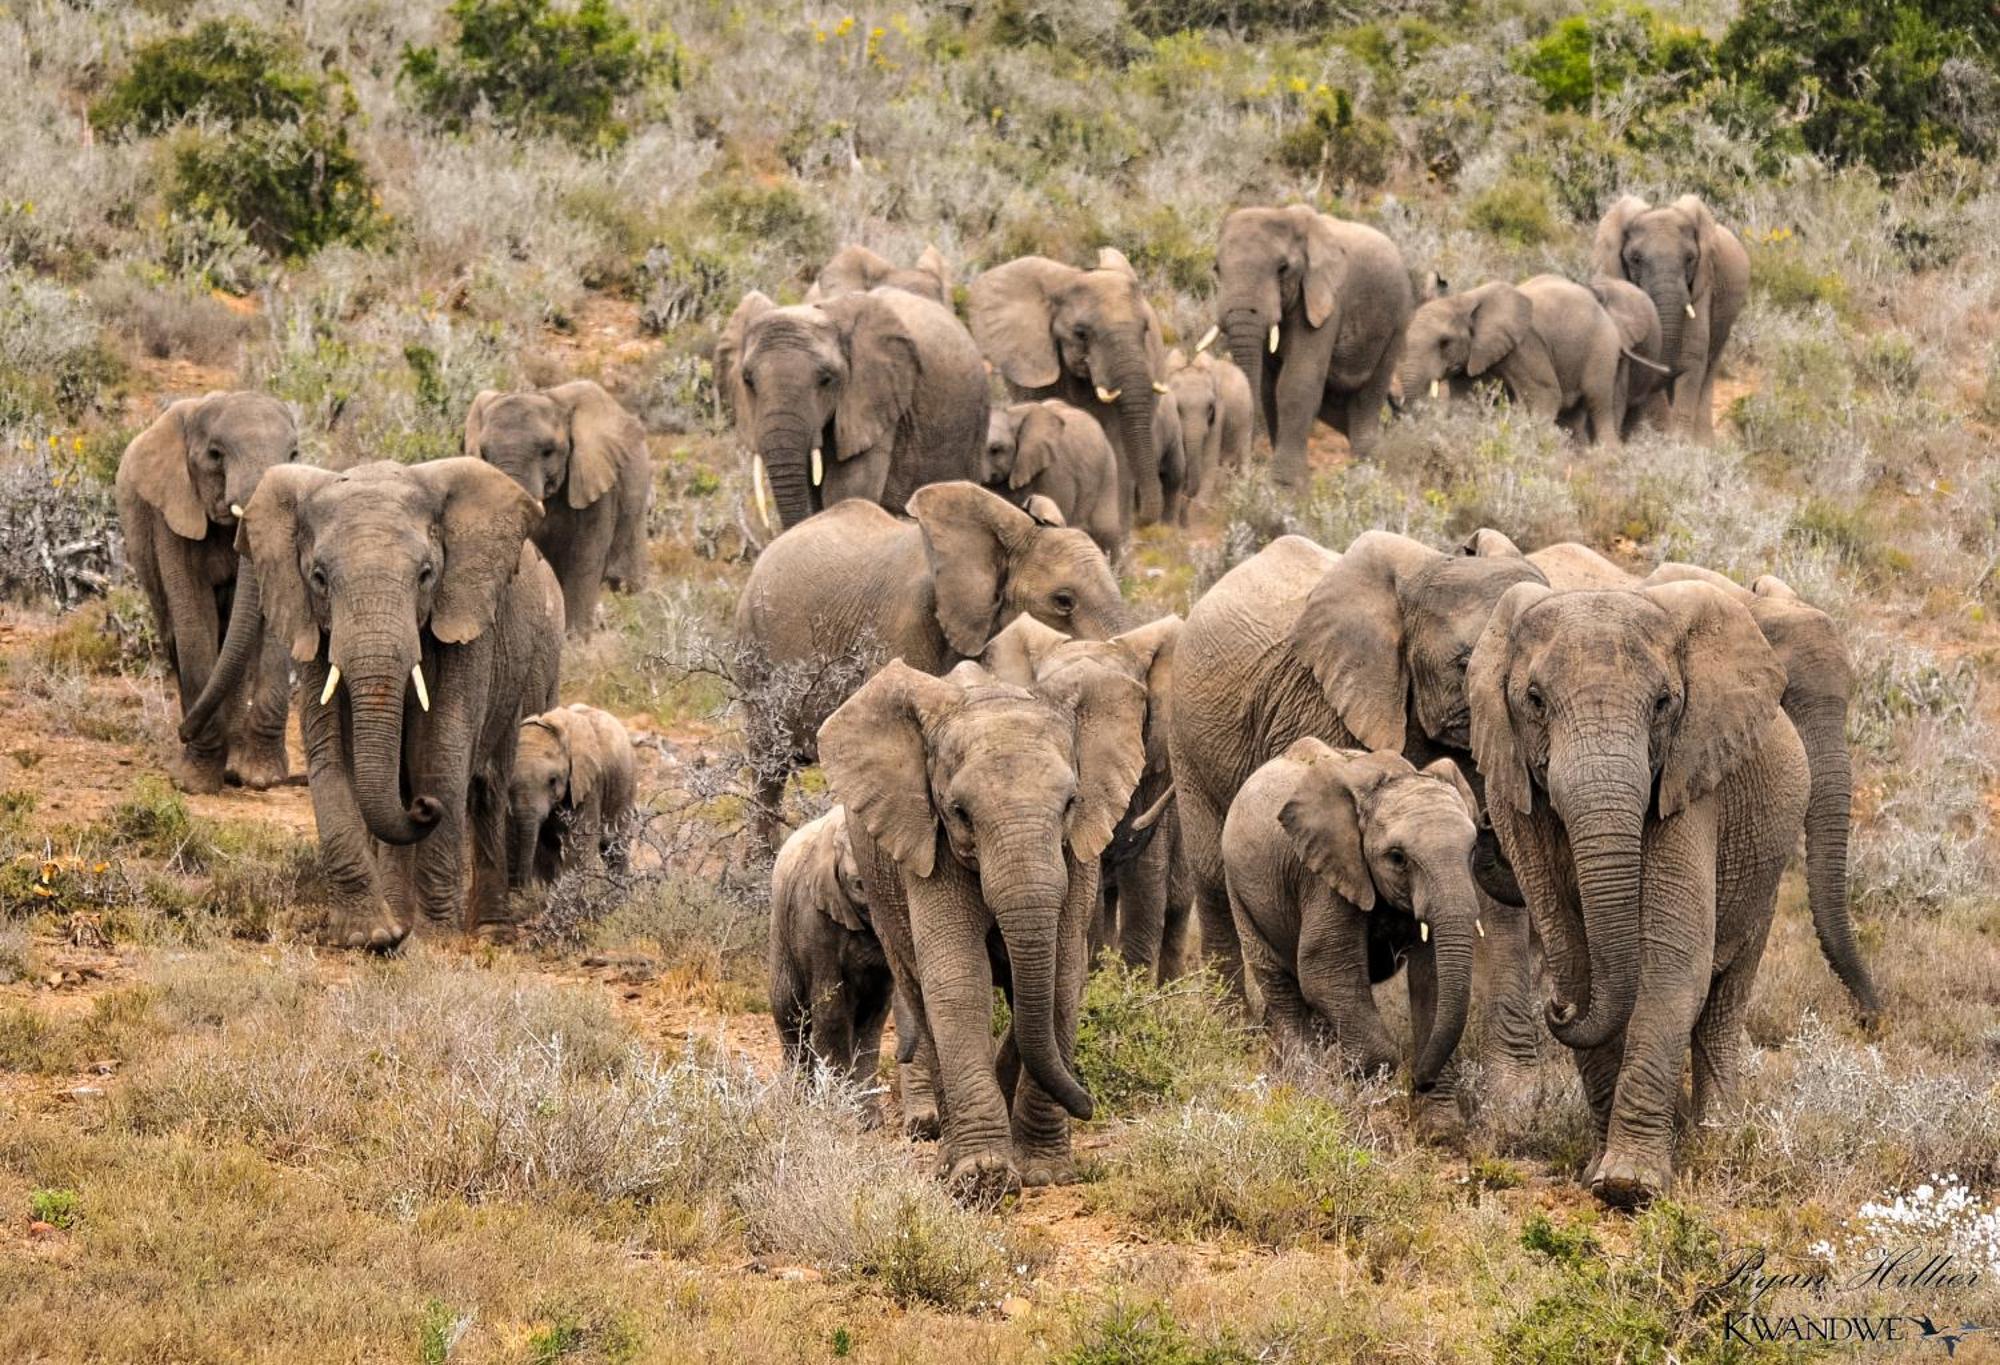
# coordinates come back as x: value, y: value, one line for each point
x: 572, y: 793
x: 1052, y: 450
x: 831, y: 989
x: 1342, y: 865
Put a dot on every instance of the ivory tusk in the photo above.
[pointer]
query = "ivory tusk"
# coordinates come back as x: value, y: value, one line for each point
x: 819, y: 469
x: 1690, y: 309
x: 332, y: 681
x: 1207, y: 339
x: 1272, y: 343
x: 1424, y: 930
x: 1480, y: 925
x: 1158, y: 387
x: 423, y: 693
x: 1437, y: 386
x: 763, y: 494
x: 1105, y: 395
x: 235, y: 509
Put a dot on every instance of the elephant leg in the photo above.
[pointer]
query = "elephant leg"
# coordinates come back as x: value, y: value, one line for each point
x: 1301, y: 387
x: 1606, y: 413
x: 1103, y: 929
x: 363, y: 915
x: 1178, y: 904
x: 197, y: 635
x: 977, y: 1150
x: 1041, y: 1128
x: 489, y: 854
x: 831, y: 1026
x: 1142, y: 904
x: 257, y: 752
x: 1597, y: 1068
x: 1718, y: 1033
x: 1364, y: 408
x: 1333, y: 972
x: 1513, y: 1022
x: 915, y: 1079
x: 865, y: 1051
x: 1441, y: 1113
x: 1201, y: 847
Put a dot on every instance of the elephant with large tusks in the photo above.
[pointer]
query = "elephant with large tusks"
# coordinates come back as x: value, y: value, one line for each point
x: 181, y: 485
x: 580, y: 454
x: 424, y: 625
x: 979, y: 810
x: 1648, y: 790
x: 866, y: 396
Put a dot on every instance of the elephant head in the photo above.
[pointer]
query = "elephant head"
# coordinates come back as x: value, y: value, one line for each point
x: 991, y: 562
x: 1669, y: 252
x: 1040, y: 321
x: 1388, y: 630
x: 856, y: 270
x: 1381, y: 832
x: 1461, y: 335
x: 1025, y: 440
x: 567, y: 442
x: 814, y: 383
x: 1272, y: 263
x: 1612, y: 709
x: 371, y: 570
x: 1196, y: 403
x: 202, y: 458
x: 559, y: 764
x: 1016, y: 786
x: 817, y: 871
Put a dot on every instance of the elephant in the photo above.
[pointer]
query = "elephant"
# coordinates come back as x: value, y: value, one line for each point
x: 1819, y: 688
x: 979, y: 811
x: 1212, y: 399
x: 1090, y: 338
x: 1143, y: 911
x: 856, y: 270
x: 179, y: 487
x: 1698, y: 276
x: 573, y: 792
x: 1548, y: 339
x: 1643, y: 372
x: 834, y: 596
x: 1313, y: 310
x: 386, y: 581
x: 865, y: 396
x: 1343, y: 866
x: 1648, y: 790
x: 580, y: 454
x: 1059, y: 452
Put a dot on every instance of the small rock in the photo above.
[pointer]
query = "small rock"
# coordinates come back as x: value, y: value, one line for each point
x: 798, y: 1274
x: 1014, y: 1305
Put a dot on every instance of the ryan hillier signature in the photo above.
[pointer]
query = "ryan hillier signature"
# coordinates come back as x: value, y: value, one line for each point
x: 1887, y: 1270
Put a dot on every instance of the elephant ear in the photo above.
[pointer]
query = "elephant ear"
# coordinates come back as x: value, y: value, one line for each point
x: 969, y: 537
x: 484, y: 518
x: 1351, y: 635
x: 1156, y: 340
x: 1044, y: 510
x: 584, y: 743
x: 933, y: 263
x: 853, y: 269
x: 1323, y: 818
x: 819, y: 878
x: 883, y: 369
x: 268, y: 532
x: 1607, y: 248
x: 1326, y: 262
x: 1111, y: 258
x: 1487, y: 543
x: 1037, y: 444
x: 1804, y: 638
x: 727, y: 365
x: 1012, y: 318
x: 1501, y: 321
x: 1446, y: 770
x: 874, y: 750
x: 1493, y: 747
x: 603, y: 439
x: 1734, y: 685
x: 155, y: 466
x: 475, y: 420
x: 1153, y: 647
x: 1110, y: 713
x: 1695, y: 210
x: 1016, y: 653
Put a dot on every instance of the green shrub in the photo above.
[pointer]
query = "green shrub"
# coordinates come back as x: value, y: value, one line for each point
x: 58, y: 1208
x: 1588, y: 57
x: 538, y: 68
x: 1146, y: 1334
x: 1351, y: 148
x: 228, y: 71
x: 1515, y: 210
x: 1138, y: 1042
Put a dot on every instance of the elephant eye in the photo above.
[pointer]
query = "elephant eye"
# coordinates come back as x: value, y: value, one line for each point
x: 1080, y: 332
x: 318, y: 578
x: 749, y: 381
x: 825, y: 378
x: 1063, y: 601
x: 426, y: 574
x: 215, y: 453
x: 1535, y: 700
x: 1663, y: 702
x: 960, y: 814
x: 1396, y: 857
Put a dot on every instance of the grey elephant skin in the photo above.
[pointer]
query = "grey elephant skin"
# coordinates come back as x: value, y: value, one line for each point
x: 979, y: 811
x: 1090, y: 338
x: 1313, y: 311
x: 571, y: 800
x: 866, y: 396
x: 1643, y: 370
x: 178, y: 484
x: 1819, y: 689
x: 1212, y: 399
x: 1648, y: 790
x: 855, y: 269
x: 418, y: 584
x: 1144, y: 905
x: 1059, y: 452
x: 1698, y: 276
x: 579, y: 453
x: 1345, y: 866
x: 1552, y: 342
x: 833, y: 597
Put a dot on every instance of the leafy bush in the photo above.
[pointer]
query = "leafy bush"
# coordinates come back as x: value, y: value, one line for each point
x: 225, y: 70
x: 1146, y: 1334
x: 1588, y: 58
x: 1349, y: 148
x: 537, y: 68
x: 1138, y: 1042
x: 1515, y: 210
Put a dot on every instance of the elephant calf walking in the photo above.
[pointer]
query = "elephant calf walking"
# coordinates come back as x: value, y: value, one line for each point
x: 572, y: 795
x: 830, y: 981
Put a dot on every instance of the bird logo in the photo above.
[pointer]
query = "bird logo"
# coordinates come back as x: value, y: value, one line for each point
x: 1950, y: 1337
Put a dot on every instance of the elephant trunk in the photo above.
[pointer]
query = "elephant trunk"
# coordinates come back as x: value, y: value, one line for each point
x: 1450, y: 910
x: 1669, y: 292
x: 1247, y: 337
x: 375, y: 673
x: 1604, y: 810
x: 1822, y: 724
x: 785, y: 444
x: 1136, y: 402
x: 241, y: 642
x: 527, y: 822
x: 1026, y: 882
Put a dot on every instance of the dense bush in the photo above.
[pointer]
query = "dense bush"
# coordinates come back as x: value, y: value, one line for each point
x: 1588, y: 58
x: 227, y: 71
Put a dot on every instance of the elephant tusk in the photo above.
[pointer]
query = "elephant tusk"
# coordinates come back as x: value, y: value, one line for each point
x: 423, y: 693
x: 1424, y: 930
x: 763, y: 494
x: 1272, y: 343
x: 1690, y: 309
x: 1158, y: 387
x: 332, y: 681
x: 1436, y: 386
x: 819, y: 469
x: 1105, y: 395
x: 1207, y: 339
x: 1480, y: 925
x: 235, y: 509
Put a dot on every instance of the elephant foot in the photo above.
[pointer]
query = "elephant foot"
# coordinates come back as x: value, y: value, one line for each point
x: 196, y: 774
x: 258, y: 768
x: 1624, y: 1182
x: 370, y: 924
x: 1439, y: 1120
x: 921, y: 1124
x: 983, y: 1179
x: 1048, y: 1168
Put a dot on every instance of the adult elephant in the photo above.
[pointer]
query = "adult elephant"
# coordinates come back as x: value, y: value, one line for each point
x: 866, y: 396
x: 1819, y: 688
x: 579, y: 453
x: 180, y: 485
x: 1361, y: 650
x: 1058, y: 452
x: 1648, y: 791
x: 843, y: 591
x: 1090, y: 338
x: 979, y: 810
x: 1698, y: 276
x: 1643, y: 372
x: 855, y: 269
x: 1313, y: 310
x: 424, y: 626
